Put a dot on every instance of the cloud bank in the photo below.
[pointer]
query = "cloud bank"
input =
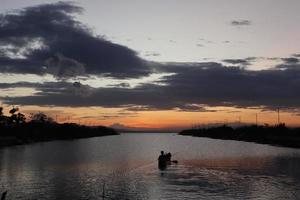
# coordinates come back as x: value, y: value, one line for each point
x: 191, y: 88
x: 48, y: 39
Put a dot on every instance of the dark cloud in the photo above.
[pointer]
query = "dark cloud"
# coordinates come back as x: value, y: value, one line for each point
x: 192, y: 87
x: 194, y: 108
x: 290, y: 60
x: 200, y: 45
x: 243, y: 62
x: 20, y: 84
x: 296, y: 55
x: 76, y: 88
x: 150, y: 53
x: 241, y: 23
x: 205, y: 40
x: 215, y: 85
x: 63, y: 67
x: 272, y: 58
x: 48, y: 39
x: 120, y: 85
x: 106, y: 116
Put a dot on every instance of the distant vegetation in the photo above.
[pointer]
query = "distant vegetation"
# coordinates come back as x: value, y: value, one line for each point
x: 275, y: 135
x: 15, y: 129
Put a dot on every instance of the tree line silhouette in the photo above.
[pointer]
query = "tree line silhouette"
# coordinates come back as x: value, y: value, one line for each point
x: 16, y: 129
x: 278, y: 135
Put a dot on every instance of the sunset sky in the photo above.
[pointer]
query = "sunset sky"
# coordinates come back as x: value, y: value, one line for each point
x: 152, y: 64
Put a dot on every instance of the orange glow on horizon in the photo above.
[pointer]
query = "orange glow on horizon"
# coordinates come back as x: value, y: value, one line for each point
x: 161, y: 119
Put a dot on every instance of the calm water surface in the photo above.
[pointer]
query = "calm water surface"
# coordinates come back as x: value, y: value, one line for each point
x: 127, y: 165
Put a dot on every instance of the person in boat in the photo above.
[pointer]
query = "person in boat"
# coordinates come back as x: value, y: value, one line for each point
x: 168, y: 157
x: 162, y: 161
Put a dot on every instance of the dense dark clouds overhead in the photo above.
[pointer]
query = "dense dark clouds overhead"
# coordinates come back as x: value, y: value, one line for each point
x: 191, y: 88
x: 48, y: 39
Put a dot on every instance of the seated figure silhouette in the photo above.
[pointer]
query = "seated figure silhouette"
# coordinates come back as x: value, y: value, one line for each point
x: 162, y: 161
x: 168, y: 157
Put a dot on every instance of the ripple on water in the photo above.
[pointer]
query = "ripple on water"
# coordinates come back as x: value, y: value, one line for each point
x: 127, y: 165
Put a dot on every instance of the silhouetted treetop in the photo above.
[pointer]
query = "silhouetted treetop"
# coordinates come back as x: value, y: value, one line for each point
x: 15, y: 130
x: 41, y: 117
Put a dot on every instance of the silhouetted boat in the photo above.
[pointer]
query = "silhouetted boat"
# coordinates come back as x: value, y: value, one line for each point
x: 163, y: 164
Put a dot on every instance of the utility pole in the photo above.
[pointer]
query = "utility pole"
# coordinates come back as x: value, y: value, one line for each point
x: 256, y: 119
x: 3, y: 196
x: 103, y: 191
x: 278, y: 116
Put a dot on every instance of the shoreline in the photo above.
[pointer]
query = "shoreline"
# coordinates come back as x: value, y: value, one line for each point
x: 279, y: 136
x: 285, y: 145
x: 44, y: 132
x: 9, y: 142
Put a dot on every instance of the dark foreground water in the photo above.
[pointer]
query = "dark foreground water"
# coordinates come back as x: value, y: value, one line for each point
x: 126, y: 164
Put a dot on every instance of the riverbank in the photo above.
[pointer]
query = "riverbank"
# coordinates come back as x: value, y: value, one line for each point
x: 39, y: 132
x: 278, y: 135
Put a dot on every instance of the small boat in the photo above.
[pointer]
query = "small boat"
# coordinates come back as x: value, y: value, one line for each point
x: 164, y: 160
x: 163, y: 164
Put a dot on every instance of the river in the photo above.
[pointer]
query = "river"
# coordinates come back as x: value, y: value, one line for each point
x: 126, y: 167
